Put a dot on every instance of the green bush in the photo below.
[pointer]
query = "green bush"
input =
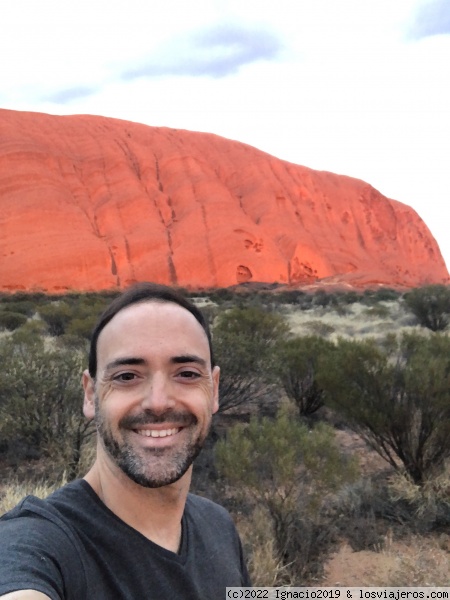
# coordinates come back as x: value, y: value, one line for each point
x: 57, y: 316
x: 298, y: 365
x: 41, y: 402
x: 245, y: 342
x: 24, y: 307
x: 11, y: 320
x: 397, y: 396
x: 288, y: 469
x: 430, y: 305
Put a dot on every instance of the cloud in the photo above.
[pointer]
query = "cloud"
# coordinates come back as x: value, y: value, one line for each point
x: 215, y: 52
x: 432, y: 18
x: 66, y: 96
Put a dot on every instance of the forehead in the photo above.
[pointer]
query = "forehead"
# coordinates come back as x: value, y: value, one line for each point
x: 154, y: 327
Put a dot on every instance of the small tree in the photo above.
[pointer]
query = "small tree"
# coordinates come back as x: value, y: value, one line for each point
x: 288, y: 469
x: 245, y: 345
x: 57, y: 316
x: 40, y: 401
x: 431, y: 306
x: 397, y: 396
x: 298, y: 366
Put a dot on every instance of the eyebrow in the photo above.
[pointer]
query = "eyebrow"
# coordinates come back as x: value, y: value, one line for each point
x: 133, y: 360
x: 127, y: 360
x: 188, y: 358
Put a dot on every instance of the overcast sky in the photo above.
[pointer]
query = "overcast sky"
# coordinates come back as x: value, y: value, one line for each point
x: 357, y: 87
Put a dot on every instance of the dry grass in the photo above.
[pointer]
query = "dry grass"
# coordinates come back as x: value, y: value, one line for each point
x: 257, y: 536
x: 416, y: 561
x: 357, y: 320
x: 14, y: 492
x: 423, y: 561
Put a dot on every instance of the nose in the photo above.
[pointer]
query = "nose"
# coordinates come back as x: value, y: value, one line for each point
x: 158, y: 394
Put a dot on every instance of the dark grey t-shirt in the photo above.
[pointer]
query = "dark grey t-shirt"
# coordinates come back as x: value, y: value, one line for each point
x: 72, y: 547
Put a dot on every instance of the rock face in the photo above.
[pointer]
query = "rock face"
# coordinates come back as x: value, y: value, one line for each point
x: 89, y: 203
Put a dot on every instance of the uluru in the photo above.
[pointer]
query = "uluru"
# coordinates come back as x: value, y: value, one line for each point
x: 92, y: 203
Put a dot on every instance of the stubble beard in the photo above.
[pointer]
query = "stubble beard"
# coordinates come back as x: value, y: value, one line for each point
x: 151, y: 467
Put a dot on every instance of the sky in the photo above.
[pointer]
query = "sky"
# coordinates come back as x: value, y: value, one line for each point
x: 356, y: 87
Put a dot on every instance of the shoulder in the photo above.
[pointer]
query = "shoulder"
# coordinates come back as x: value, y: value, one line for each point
x: 199, y: 506
x: 208, y: 519
x: 37, y: 545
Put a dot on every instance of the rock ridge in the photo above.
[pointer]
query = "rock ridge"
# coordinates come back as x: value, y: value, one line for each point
x: 91, y: 203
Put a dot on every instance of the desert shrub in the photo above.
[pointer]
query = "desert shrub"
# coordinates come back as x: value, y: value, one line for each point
x: 349, y: 297
x: 40, y: 403
x: 221, y: 295
x: 29, y: 332
x: 290, y: 296
x: 386, y: 295
x: 57, y: 316
x: 82, y: 327
x: 325, y: 299
x: 396, y: 396
x: 428, y: 506
x: 263, y: 561
x: 11, y: 320
x: 297, y: 370
x: 372, y: 297
x: 75, y: 315
x: 320, y: 328
x: 431, y: 306
x: 245, y: 342
x: 24, y: 307
x: 378, y: 311
x: 288, y: 470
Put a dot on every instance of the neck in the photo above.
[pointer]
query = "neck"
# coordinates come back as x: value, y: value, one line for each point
x: 155, y: 512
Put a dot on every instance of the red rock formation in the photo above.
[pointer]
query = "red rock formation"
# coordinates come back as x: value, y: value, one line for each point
x: 90, y: 203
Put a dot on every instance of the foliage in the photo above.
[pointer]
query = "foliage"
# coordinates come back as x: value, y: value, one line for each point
x: 431, y: 306
x: 57, y: 316
x: 287, y: 469
x: 370, y: 296
x: 396, y: 396
x: 11, y: 320
x: 74, y: 315
x: 40, y: 401
x: 245, y: 343
x: 297, y: 371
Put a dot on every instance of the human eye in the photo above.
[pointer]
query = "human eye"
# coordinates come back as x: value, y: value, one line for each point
x: 125, y: 377
x: 189, y: 374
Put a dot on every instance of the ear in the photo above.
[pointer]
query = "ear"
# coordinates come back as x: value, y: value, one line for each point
x: 216, y: 378
x: 89, y: 395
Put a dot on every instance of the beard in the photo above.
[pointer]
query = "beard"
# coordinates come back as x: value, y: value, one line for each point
x: 151, y: 467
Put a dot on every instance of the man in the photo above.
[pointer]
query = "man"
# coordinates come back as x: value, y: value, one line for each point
x: 130, y: 529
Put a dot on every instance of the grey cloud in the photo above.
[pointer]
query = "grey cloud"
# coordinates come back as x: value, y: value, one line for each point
x: 216, y: 52
x: 69, y: 94
x: 432, y: 18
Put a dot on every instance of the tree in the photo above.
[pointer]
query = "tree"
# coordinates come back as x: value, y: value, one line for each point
x: 11, y: 320
x: 288, y: 469
x: 41, y: 399
x: 245, y: 343
x: 57, y: 316
x: 431, y: 306
x: 397, y: 396
x: 298, y: 366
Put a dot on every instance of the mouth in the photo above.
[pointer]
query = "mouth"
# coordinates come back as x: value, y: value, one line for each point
x: 157, y: 433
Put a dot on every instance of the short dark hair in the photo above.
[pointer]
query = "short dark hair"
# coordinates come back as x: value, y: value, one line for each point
x: 144, y: 292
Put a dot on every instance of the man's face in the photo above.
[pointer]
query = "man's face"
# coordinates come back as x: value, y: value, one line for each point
x: 155, y: 392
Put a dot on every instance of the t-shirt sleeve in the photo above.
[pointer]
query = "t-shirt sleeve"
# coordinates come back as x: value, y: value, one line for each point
x: 30, y: 552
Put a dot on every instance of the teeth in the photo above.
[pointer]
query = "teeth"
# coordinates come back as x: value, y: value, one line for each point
x: 156, y: 433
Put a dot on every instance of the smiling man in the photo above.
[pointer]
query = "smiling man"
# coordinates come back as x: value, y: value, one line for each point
x: 130, y: 529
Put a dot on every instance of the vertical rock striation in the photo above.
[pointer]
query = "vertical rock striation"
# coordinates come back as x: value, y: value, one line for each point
x: 92, y: 203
